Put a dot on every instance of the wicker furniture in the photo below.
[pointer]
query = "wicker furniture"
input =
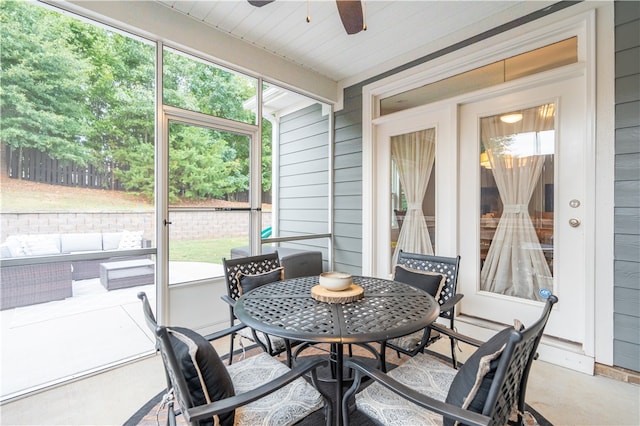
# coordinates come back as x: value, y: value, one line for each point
x: 286, y: 308
x: 487, y: 390
x: 258, y: 390
x: 26, y: 285
x: 35, y: 268
x: 127, y: 273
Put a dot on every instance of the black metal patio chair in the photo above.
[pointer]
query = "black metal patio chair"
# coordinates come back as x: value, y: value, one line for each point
x: 242, y: 275
x: 258, y: 390
x: 438, y: 275
x: 489, y: 388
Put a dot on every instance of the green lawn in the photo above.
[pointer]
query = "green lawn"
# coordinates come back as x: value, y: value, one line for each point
x: 209, y: 250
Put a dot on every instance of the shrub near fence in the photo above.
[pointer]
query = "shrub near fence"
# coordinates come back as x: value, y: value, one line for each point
x: 190, y: 225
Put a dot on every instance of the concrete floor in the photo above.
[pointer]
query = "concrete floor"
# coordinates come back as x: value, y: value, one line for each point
x: 563, y: 396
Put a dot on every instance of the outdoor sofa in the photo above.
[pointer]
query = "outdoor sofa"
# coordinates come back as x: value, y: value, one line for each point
x: 51, y: 279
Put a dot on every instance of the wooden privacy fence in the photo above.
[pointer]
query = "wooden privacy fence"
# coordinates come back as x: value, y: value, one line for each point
x: 37, y: 166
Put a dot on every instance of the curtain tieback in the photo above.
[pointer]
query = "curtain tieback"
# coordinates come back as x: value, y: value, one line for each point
x: 414, y: 206
x: 515, y: 208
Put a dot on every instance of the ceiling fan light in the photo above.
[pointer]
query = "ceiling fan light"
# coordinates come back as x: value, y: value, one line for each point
x: 511, y: 118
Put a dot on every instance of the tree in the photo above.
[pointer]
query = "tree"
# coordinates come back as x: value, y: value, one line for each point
x: 43, y: 84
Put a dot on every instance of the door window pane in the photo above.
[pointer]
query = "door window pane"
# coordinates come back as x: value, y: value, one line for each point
x: 517, y: 191
x: 208, y: 200
x: 413, y: 192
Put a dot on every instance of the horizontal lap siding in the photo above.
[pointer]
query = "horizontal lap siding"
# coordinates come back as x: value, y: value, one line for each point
x: 347, y: 177
x: 626, y: 345
x: 304, y: 177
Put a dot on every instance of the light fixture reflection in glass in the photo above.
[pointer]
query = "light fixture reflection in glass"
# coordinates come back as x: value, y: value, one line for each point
x: 511, y: 118
x: 484, y: 161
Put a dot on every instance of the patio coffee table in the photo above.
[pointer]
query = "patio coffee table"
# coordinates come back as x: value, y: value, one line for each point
x: 127, y: 273
x: 286, y: 308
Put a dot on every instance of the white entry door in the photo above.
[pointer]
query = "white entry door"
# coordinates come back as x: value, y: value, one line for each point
x: 526, y: 208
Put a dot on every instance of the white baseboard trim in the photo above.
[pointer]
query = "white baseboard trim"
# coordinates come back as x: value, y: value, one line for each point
x: 554, y: 351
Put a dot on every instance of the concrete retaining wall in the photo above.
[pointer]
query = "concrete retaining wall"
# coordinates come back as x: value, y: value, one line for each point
x: 185, y: 225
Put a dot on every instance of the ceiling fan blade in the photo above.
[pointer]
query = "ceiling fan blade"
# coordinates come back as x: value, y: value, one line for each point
x: 351, y: 14
x: 259, y: 3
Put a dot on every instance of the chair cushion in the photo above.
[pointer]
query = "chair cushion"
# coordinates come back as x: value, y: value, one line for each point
x: 411, y: 341
x: 428, y: 281
x: 278, y: 344
x: 286, y: 406
x: 423, y: 373
x: 206, y: 375
x: 471, y: 385
x: 247, y: 282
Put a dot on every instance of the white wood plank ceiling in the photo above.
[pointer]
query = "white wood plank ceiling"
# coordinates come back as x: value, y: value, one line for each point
x: 397, y: 31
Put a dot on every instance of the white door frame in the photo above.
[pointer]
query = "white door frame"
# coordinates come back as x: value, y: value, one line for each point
x: 580, y: 21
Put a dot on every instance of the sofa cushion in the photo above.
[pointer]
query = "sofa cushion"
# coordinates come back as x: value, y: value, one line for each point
x: 111, y: 240
x: 5, y: 253
x: 88, y: 241
x: 41, y: 247
x: 15, y: 246
x: 33, y: 245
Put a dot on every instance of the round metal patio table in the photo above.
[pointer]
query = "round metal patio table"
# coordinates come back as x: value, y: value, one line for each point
x: 389, y: 309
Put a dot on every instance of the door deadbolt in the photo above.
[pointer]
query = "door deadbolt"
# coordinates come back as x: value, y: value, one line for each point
x: 574, y: 203
x: 573, y: 222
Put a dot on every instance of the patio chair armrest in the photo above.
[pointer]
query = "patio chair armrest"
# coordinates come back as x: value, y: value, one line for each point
x: 455, y: 335
x: 440, y: 407
x: 451, y: 303
x: 206, y: 411
x: 229, y: 300
x: 222, y: 333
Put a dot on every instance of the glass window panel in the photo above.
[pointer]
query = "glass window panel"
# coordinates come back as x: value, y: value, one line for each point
x: 516, y: 201
x: 196, y: 85
x: 545, y: 58
x: 78, y: 185
x: 413, y: 193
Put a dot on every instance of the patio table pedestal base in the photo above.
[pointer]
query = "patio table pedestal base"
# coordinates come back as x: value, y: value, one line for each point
x: 128, y: 273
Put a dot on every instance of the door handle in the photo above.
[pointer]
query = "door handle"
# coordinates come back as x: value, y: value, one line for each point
x: 574, y: 223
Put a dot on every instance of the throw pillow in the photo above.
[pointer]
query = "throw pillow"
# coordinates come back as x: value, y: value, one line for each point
x: 15, y: 246
x: 207, y: 378
x: 428, y: 281
x: 471, y: 385
x: 130, y: 240
x: 247, y: 282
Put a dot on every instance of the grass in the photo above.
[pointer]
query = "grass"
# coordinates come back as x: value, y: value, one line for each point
x: 209, y: 250
x: 25, y: 196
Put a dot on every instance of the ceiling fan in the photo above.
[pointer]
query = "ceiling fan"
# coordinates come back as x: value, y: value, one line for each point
x: 350, y: 11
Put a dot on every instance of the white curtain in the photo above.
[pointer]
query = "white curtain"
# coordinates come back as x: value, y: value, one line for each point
x: 515, y: 264
x: 414, y: 155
